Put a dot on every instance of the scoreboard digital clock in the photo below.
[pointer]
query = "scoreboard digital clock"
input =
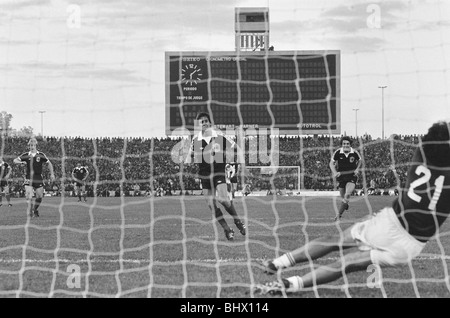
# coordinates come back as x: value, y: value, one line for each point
x: 297, y: 92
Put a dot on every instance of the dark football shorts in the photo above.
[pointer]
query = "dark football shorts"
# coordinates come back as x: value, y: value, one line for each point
x: 347, y: 178
x: 37, y: 182
x: 3, y: 183
x: 209, y: 182
x: 78, y: 184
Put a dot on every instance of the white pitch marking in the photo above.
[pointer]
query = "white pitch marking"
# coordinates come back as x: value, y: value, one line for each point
x: 138, y: 261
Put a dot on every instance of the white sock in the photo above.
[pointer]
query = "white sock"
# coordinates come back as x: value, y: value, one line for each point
x: 284, y: 261
x: 296, y: 283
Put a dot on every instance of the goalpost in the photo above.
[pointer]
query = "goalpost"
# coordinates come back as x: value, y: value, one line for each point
x: 274, y: 178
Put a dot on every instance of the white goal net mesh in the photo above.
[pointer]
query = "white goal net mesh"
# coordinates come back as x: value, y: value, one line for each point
x: 89, y: 81
x: 271, y: 180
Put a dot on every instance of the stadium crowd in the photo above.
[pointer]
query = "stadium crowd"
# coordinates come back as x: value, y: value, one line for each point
x: 145, y: 166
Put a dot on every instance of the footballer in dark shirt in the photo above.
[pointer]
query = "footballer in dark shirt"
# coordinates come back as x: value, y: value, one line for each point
x: 79, y: 175
x: 5, y: 172
x: 393, y: 236
x: 34, y: 161
x: 345, y: 164
x: 212, y: 151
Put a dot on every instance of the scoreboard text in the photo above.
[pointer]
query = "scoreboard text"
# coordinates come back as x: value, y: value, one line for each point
x: 297, y: 92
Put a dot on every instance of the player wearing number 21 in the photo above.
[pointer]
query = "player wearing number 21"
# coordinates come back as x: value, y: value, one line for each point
x: 391, y: 237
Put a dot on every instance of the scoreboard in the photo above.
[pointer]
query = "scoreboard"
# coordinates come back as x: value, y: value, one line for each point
x: 297, y: 92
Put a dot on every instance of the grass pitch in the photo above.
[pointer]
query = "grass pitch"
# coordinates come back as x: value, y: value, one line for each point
x: 171, y: 247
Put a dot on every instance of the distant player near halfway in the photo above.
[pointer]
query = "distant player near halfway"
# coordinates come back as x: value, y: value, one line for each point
x: 79, y: 176
x: 345, y: 164
x: 34, y: 182
x: 5, y: 172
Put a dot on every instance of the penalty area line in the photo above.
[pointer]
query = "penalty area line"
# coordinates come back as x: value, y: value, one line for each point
x: 189, y: 261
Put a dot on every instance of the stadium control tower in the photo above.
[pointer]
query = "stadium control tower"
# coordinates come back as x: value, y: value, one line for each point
x: 251, y: 29
x: 254, y: 87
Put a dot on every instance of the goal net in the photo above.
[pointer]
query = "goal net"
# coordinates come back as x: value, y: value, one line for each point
x: 271, y: 180
x: 116, y: 87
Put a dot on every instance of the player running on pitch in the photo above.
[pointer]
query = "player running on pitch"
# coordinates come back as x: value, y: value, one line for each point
x: 345, y: 164
x: 209, y: 149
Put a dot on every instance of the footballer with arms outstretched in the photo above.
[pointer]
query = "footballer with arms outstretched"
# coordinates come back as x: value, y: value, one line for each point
x: 79, y: 175
x: 34, y: 161
x: 391, y: 237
